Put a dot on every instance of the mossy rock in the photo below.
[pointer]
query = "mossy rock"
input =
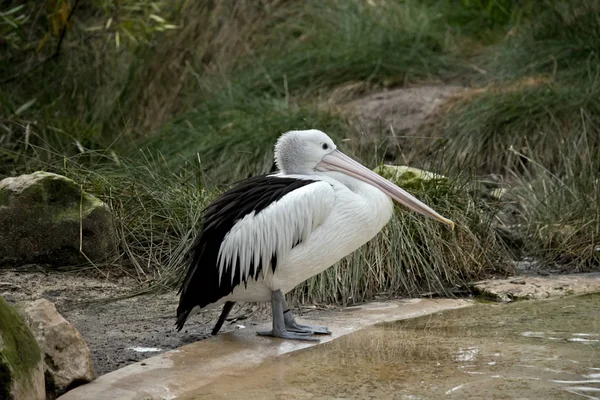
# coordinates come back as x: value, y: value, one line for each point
x: 21, y: 365
x: 45, y: 218
x: 409, y: 177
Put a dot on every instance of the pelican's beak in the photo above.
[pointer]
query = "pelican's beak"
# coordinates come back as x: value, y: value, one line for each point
x: 338, y: 161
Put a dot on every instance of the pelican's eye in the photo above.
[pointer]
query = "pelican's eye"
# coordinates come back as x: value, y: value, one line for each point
x: 325, y: 146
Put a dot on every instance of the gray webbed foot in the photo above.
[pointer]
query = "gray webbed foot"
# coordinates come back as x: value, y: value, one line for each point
x: 280, y: 322
x: 284, y: 334
x: 292, y: 326
x: 315, y: 329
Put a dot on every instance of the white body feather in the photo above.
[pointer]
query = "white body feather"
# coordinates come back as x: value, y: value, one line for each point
x: 332, y: 218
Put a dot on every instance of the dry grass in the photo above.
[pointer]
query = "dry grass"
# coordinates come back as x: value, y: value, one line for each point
x: 561, y: 216
x: 212, y: 40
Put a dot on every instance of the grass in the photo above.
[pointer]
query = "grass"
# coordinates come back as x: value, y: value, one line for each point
x: 323, y: 45
x: 535, y: 91
x: 233, y: 134
x: 415, y: 256
x: 96, y: 94
x: 562, y: 41
x: 157, y: 211
x: 562, y: 211
x: 482, y: 126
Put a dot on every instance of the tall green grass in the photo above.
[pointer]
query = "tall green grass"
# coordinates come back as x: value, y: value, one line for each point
x: 481, y: 128
x: 483, y: 21
x: 157, y: 130
x: 415, y: 256
x: 232, y: 135
x: 562, y: 209
x: 535, y: 120
x: 322, y: 45
x: 157, y: 211
x: 561, y: 40
x: 538, y: 88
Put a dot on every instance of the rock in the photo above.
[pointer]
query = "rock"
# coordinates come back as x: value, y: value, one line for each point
x: 528, y: 287
x: 42, y: 216
x: 393, y: 117
x: 21, y: 363
x: 409, y: 177
x: 67, y: 358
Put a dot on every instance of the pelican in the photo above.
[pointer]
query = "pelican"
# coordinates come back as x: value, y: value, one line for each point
x: 270, y: 233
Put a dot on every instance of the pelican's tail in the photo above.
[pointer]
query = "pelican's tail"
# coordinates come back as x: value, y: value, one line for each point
x: 182, y: 316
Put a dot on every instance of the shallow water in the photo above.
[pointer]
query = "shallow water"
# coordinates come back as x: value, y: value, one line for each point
x: 526, y: 350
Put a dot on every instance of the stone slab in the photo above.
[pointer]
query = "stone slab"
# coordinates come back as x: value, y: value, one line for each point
x: 193, y: 366
x: 538, y: 287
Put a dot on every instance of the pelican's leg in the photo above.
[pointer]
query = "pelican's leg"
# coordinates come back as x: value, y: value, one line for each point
x: 292, y: 326
x: 279, y: 326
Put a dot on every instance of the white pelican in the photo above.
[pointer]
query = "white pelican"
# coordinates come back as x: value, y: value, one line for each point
x: 270, y: 233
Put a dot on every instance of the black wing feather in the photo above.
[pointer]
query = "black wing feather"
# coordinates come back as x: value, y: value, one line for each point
x: 201, y: 285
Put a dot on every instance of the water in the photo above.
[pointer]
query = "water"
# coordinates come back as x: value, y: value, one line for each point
x: 526, y: 350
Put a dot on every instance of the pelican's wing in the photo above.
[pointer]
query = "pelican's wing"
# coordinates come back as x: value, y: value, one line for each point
x: 246, y: 230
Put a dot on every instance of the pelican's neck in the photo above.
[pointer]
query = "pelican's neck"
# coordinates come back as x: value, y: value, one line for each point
x: 376, y: 203
x: 355, y: 185
x: 367, y: 191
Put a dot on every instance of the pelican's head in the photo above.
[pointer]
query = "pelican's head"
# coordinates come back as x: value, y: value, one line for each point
x: 299, y: 152
x: 312, y: 151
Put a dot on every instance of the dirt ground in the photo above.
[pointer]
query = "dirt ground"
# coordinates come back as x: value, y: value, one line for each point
x: 120, y: 332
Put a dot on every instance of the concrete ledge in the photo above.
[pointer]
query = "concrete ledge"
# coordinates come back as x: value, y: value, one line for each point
x: 538, y: 287
x: 193, y: 366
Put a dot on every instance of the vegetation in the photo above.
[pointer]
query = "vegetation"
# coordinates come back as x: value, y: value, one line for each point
x: 532, y: 116
x: 19, y: 352
x: 562, y: 210
x: 144, y: 101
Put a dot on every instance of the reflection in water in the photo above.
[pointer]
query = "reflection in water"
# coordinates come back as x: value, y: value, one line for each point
x: 526, y: 350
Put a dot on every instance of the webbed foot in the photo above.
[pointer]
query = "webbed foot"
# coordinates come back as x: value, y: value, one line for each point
x: 285, y: 334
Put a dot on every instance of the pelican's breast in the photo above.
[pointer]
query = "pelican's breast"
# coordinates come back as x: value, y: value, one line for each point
x: 360, y: 211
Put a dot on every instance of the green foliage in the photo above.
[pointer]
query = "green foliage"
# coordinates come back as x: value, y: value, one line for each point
x: 11, y: 26
x: 134, y: 22
x: 482, y: 128
x: 65, y: 80
x: 562, y: 210
x: 484, y: 19
x: 321, y: 45
x: 232, y: 135
x: 157, y: 211
x: 26, y: 27
x: 562, y: 41
x: 155, y: 120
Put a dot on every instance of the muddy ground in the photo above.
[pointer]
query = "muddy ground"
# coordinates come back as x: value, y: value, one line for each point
x: 113, y: 329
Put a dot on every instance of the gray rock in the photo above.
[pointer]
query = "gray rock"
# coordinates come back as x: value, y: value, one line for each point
x: 67, y: 358
x: 21, y: 363
x: 532, y: 287
x: 394, y: 117
x: 44, y: 219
